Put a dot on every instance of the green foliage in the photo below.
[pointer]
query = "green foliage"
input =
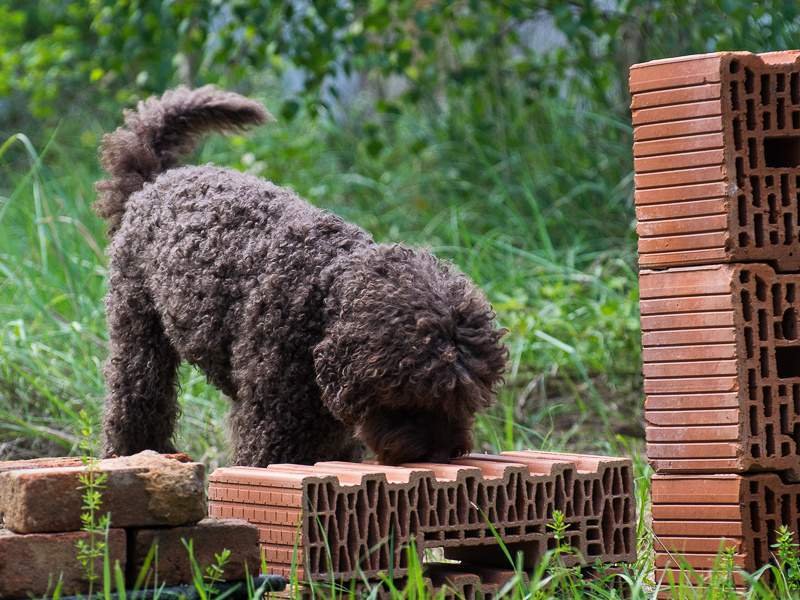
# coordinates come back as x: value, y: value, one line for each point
x: 206, y: 578
x: 438, y: 52
x: 787, y: 552
x: 93, y: 523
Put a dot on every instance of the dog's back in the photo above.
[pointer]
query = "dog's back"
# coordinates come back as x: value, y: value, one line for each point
x: 203, y: 241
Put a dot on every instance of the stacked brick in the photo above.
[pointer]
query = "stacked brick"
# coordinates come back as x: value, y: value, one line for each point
x: 717, y: 172
x: 355, y: 521
x: 150, y: 499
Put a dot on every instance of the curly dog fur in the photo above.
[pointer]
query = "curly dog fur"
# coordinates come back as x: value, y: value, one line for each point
x: 322, y: 338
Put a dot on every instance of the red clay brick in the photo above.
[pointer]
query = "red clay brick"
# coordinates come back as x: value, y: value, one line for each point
x: 720, y: 131
x: 210, y: 537
x: 352, y: 509
x: 723, y: 393
x: 141, y: 491
x: 31, y: 564
x: 694, y: 516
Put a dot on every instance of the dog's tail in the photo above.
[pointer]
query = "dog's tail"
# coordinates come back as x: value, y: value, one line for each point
x: 158, y: 133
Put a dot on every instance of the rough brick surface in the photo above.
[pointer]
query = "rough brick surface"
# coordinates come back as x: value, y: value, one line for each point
x: 717, y: 159
x: 209, y: 537
x: 722, y: 368
x: 141, y: 491
x: 63, y: 461
x: 354, y: 509
x: 694, y: 516
x: 30, y: 565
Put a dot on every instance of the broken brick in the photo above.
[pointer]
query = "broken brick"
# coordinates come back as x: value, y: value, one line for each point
x: 144, y: 490
x: 209, y: 537
x: 31, y: 564
x: 717, y: 159
x: 339, y: 517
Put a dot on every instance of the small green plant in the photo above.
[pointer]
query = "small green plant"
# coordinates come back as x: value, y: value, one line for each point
x: 721, y: 583
x: 206, y: 579
x: 93, y: 523
x: 787, y: 552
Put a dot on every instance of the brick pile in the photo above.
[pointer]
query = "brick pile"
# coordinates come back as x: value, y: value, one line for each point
x: 717, y: 173
x: 349, y: 520
x: 150, y: 498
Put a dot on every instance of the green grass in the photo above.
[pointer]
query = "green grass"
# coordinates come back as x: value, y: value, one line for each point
x: 542, y: 226
x: 538, y: 212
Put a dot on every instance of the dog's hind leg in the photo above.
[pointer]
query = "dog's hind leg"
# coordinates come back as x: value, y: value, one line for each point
x: 141, y: 372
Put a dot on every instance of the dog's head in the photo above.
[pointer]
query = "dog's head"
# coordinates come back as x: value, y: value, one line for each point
x: 411, y: 353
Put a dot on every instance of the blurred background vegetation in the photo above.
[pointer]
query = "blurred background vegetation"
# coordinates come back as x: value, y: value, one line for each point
x: 496, y: 133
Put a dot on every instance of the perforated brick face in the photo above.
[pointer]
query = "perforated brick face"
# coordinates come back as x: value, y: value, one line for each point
x: 722, y: 368
x: 694, y: 516
x: 357, y: 519
x: 717, y: 159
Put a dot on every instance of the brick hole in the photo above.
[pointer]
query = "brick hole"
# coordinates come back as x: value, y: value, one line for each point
x: 781, y: 113
x: 780, y: 82
x: 769, y: 181
x: 751, y: 383
x: 735, y: 98
x: 763, y: 356
x: 795, y: 119
x: 619, y: 542
x: 787, y: 361
x: 772, y: 204
x: 751, y: 115
x: 789, y: 324
x: 765, y: 91
x: 786, y: 449
x: 756, y: 450
x: 753, y: 421
x: 755, y: 517
x: 747, y: 309
x: 744, y: 240
x: 741, y: 203
x: 781, y: 152
x: 788, y: 229
x: 766, y: 120
x: 763, y: 325
x: 740, y: 178
x: 755, y: 190
x: 769, y: 435
x: 761, y: 290
x: 627, y: 480
x: 771, y: 526
x: 794, y: 88
x: 758, y: 226
x: 766, y: 400
x: 733, y: 67
x: 748, y: 81
x: 773, y: 237
x: 752, y: 153
x: 757, y: 554
x: 775, y: 292
x: 785, y: 196
x: 744, y: 276
x: 607, y: 524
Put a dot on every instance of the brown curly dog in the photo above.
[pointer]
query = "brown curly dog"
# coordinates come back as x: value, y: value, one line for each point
x: 322, y: 338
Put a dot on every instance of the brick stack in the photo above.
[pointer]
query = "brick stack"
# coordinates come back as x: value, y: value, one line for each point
x: 150, y: 497
x: 717, y: 170
x: 356, y: 521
